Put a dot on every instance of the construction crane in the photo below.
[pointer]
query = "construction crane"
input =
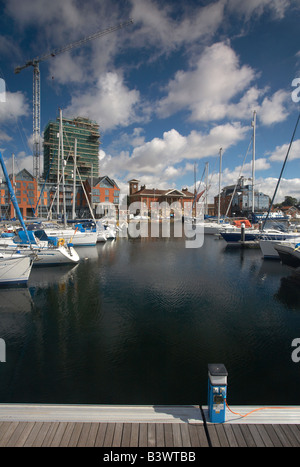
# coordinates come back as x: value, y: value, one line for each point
x: 37, y: 90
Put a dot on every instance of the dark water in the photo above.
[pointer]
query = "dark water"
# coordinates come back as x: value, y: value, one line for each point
x: 138, y: 320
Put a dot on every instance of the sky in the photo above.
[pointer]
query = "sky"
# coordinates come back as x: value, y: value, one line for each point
x: 168, y: 91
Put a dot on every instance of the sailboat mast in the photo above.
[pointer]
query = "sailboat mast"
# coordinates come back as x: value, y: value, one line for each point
x: 253, y: 162
x: 206, y: 188
x: 12, y: 195
x: 63, y: 167
x: 74, y: 181
x: 13, y: 182
x: 220, y: 172
x: 58, y: 167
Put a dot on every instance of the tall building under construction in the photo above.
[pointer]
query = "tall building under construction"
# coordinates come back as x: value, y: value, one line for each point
x: 86, y: 132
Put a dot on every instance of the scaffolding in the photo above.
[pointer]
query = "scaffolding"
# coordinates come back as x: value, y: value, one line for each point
x: 88, y: 140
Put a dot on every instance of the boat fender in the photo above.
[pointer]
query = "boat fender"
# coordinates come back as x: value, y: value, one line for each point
x: 61, y: 242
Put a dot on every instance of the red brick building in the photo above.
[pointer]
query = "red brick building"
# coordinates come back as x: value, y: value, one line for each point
x: 147, y: 196
x: 102, y: 190
x: 27, y: 193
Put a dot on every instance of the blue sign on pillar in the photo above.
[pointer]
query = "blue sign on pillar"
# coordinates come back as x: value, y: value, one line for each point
x: 217, y: 391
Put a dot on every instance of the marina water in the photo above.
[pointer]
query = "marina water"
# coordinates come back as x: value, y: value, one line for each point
x: 138, y: 320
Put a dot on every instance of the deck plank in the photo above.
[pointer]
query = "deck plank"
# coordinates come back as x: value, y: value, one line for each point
x: 24, y: 435
x: 134, y: 438
x: 230, y: 436
x: 143, y: 435
x: 256, y: 435
x: 84, y: 434
x: 7, y: 430
x: 109, y: 434
x: 185, y: 435
x: 65, y: 440
x: 151, y: 435
x: 50, y: 434
x: 143, y: 426
x: 41, y: 434
x: 99, y: 442
x: 35, y: 434
x: 160, y: 435
x: 213, y: 436
x: 12, y: 441
x: 126, y: 435
x: 177, y: 439
x: 117, y: 440
x: 75, y: 434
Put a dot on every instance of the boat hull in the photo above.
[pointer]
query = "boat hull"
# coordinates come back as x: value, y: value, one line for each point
x: 77, y: 238
x: 288, y: 255
x: 15, y: 270
x: 268, y: 247
x: 45, y: 256
x: 255, y: 235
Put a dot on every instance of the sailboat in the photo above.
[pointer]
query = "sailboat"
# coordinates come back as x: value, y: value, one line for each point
x: 281, y: 248
x: 214, y: 226
x: 289, y: 252
x: 14, y: 269
x: 25, y: 244
x: 263, y: 234
x: 48, y: 251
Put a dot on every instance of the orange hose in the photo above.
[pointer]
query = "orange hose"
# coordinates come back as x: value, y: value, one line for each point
x: 255, y: 410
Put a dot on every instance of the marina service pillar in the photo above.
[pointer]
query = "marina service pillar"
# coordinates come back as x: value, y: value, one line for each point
x: 217, y: 391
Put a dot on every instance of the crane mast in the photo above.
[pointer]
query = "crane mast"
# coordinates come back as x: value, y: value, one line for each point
x: 37, y: 86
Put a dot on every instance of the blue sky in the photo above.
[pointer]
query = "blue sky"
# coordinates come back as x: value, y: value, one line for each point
x: 167, y: 91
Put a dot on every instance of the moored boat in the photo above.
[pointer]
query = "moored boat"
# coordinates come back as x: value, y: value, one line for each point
x: 267, y: 245
x: 289, y: 253
x: 15, y: 268
x: 47, y: 251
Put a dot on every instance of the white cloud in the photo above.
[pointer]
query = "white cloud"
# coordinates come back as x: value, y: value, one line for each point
x: 158, y: 27
x: 110, y: 103
x: 209, y: 87
x: 219, y: 87
x: 15, y: 106
x: 21, y: 161
x: 287, y: 187
x: 65, y: 69
x: 272, y: 110
x: 163, y: 160
x: 280, y: 152
x: 4, y: 137
x: 250, y: 8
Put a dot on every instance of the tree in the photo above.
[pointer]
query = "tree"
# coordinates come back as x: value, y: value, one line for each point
x: 290, y: 201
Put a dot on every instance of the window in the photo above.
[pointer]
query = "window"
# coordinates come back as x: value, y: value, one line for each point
x: 106, y: 192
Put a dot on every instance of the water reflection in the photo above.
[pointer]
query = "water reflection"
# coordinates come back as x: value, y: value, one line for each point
x: 289, y: 291
x: 138, y: 321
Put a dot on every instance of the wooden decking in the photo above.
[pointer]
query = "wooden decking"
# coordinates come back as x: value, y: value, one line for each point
x: 149, y: 427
